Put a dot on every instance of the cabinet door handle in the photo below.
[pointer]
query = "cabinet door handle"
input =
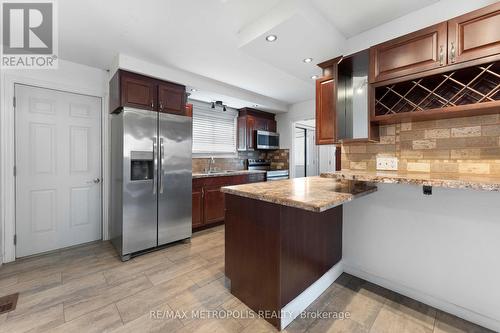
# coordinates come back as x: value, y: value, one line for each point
x: 161, y: 106
x: 441, y: 55
x: 152, y: 104
x: 452, y: 52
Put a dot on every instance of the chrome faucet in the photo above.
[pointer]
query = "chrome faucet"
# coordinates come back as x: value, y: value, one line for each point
x: 211, y: 165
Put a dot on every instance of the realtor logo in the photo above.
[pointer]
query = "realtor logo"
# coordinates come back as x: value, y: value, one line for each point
x: 28, y: 38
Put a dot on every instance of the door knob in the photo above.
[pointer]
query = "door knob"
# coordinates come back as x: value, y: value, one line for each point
x: 97, y: 180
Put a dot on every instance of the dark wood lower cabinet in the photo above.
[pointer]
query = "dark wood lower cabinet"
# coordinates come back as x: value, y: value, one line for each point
x: 213, y: 205
x: 273, y: 252
x: 197, y: 207
x: 209, y: 202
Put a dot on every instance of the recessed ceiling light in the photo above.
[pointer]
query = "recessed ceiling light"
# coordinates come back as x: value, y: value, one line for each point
x: 194, y: 89
x: 307, y: 60
x: 314, y: 77
x: 271, y: 38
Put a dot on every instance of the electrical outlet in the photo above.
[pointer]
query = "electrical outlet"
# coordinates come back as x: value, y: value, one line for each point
x: 387, y: 163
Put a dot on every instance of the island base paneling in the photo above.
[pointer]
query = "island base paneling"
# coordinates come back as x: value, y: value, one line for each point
x: 274, y: 252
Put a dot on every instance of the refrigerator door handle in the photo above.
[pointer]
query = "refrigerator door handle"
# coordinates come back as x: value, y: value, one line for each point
x: 162, y: 153
x: 155, y: 165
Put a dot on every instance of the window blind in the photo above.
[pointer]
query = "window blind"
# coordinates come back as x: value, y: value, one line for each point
x: 214, y: 130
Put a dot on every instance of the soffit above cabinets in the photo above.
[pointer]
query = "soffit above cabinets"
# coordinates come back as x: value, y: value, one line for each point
x: 355, y: 16
x: 224, y: 39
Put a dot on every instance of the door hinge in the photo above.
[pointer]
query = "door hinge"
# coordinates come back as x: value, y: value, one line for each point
x: 14, y: 101
x: 15, y: 239
x: 15, y: 171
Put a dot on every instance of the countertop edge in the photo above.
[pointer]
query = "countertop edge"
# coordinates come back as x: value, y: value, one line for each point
x: 278, y: 201
x: 402, y: 179
x: 226, y: 174
x: 342, y: 199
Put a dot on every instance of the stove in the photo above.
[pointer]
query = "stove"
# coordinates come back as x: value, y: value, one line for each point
x: 261, y: 164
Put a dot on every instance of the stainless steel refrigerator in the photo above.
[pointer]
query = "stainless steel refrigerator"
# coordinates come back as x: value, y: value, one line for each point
x: 151, y: 180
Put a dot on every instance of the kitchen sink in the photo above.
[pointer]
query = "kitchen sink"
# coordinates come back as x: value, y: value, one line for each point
x: 219, y: 172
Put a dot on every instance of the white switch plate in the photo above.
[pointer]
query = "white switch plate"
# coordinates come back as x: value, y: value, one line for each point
x: 387, y: 163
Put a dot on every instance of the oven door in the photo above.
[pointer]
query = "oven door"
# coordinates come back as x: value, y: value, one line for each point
x: 267, y: 140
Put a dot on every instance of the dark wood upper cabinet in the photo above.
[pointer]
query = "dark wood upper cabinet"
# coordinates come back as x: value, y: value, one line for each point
x: 189, y: 110
x: 413, y: 53
x: 325, y: 111
x: 172, y: 99
x: 128, y: 89
x: 138, y: 91
x: 250, y: 129
x: 271, y: 125
x: 474, y: 35
x: 242, y: 133
x: 342, y: 101
x: 465, y: 85
x: 250, y: 121
x: 261, y: 124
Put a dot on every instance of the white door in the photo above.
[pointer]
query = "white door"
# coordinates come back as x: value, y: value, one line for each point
x: 312, y: 153
x: 326, y: 158
x: 58, y: 166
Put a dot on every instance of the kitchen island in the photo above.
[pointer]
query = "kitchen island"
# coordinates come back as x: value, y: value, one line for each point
x: 283, y: 240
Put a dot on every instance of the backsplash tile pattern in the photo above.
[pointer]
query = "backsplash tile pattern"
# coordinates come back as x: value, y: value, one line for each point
x: 279, y: 160
x: 469, y: 145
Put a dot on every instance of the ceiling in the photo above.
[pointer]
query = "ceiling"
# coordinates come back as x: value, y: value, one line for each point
x: 224, y: 39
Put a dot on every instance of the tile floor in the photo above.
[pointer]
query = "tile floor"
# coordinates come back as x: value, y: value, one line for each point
x: 88, y: 289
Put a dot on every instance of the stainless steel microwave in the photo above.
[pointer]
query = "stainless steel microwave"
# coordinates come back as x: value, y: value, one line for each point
x: 267, y: 140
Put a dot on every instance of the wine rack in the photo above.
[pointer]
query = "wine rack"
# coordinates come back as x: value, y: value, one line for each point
x: 452, y: 93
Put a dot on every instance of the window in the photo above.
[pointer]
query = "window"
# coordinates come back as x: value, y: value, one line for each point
x: 214, y: 130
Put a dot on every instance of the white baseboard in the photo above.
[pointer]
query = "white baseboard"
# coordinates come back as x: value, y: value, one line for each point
x: 437, y: 303
x: 290, y: 311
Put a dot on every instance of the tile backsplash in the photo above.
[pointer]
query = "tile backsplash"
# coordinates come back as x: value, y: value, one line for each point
x: 279, y: 160
x: 469, y: 145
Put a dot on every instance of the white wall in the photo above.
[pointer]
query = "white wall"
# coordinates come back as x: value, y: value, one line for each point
x: 68, y: 77
x: 224, y: 91
x: 286, y: 128
x: 442, y: 249
x: 297, y: 112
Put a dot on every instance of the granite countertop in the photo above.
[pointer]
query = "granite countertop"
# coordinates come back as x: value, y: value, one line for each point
x: 315, y: 194
x: 476, y: 182
x: 226, y: 173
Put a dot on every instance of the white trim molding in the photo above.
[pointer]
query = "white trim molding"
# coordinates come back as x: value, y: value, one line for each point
x: 437, y: 303
x: 7, y: 152
x: 296, y: 306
